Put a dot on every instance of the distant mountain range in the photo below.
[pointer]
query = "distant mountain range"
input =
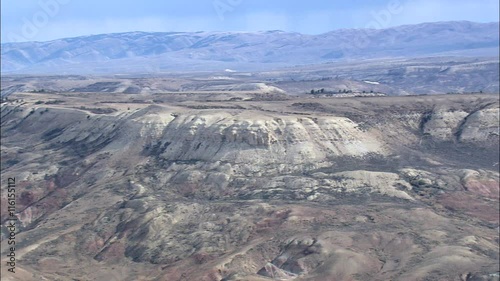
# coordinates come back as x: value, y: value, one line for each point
x: 142, y: 52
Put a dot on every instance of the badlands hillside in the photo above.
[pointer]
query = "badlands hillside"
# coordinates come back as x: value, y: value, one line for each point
x: 211, y: 187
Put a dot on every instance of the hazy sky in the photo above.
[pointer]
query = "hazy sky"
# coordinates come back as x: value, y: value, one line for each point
x: 41, y: 20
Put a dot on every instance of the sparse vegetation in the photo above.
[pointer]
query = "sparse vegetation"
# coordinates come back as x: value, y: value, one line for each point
x: 54, y: 102
x: 343, y: 92
x: 465, y: 93
x: 39, y: 91
x: 98, y: 110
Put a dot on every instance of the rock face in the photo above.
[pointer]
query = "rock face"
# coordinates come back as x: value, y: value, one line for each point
x: 265, y: 141
x: 481, y: 125
x: 362, y: 189
x: 443, y: 125
x: 478, y: 126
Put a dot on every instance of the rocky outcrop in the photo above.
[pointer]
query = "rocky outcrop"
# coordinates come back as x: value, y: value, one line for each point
x: 442, y: 124
x: 259, y: 141
x: 481, y: 125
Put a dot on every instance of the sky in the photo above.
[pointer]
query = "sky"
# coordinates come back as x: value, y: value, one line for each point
x: 43, y: 20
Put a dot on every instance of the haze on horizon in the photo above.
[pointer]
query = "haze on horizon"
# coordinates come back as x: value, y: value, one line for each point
x: 45, y: 20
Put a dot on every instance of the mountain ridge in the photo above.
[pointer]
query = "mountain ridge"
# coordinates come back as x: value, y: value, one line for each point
x: 253, y: 32
x: 166, y: 51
